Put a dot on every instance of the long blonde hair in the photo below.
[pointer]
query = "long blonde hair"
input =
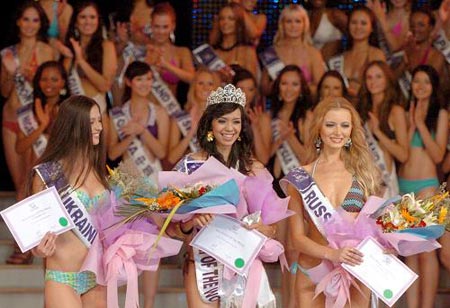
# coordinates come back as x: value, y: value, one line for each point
x: 292, y: 8
x: 357, y: 159
x: 191, y: 98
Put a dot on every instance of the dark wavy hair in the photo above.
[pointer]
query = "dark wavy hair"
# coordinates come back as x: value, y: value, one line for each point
x: 37, y: 91
x: 42, y: 34
x: 134, y: 69
x: 331, y: 74
x: 241, y: 151
x: 241, y: 74
x: 436, y: 100
x: 373, y: 40
x: 392, y: 96
x: 304, y: 100
x: 71, y: 139
x: 94, y: 50
x: 241, y: 35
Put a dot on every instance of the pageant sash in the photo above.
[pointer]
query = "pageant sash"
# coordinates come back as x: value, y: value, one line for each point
x: 136, y: 151
x: 74, y: 81
x: 405, y: 83
x: 184, y: 122
x: 24, y: 89
x: 377, y: 154
x: 383, y: 43
x: 285, y: 154
x: 208, y: 273
x: 130, y: 53
x: 336, y: 63
x: 442, y: 44
x: 163, y: 94
x: 204, y: 54
x: 271, y: 62
x: 51, y: 174
x: 28, y: 124
x: 315, y: 203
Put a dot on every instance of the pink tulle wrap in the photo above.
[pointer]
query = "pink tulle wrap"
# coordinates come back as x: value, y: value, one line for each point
x: 345, y: 231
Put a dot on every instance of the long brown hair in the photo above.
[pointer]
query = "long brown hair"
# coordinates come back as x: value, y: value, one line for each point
x: 71, y: 139
x: 358, y: 160
x: 392, y: 96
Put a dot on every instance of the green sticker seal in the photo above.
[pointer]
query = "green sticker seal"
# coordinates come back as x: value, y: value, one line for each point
x: 239, y: 263
x: 388, y: 293
x: 63, y: 221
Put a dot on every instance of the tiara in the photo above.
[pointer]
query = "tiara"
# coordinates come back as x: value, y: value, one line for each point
x: 227, y: 94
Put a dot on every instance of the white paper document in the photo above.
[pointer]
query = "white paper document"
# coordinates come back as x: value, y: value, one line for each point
x: 29, y: 219
x: 229, y: 242
x: 384, y: 274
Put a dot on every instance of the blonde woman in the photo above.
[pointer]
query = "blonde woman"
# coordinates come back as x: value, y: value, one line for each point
x: 292, y: 44
x: 182, y: 138
x: 343, y: 170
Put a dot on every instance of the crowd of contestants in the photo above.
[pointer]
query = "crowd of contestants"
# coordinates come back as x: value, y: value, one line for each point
x: 57, y: 44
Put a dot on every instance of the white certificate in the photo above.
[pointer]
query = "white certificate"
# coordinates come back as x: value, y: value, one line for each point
x: 29, y: 219
x: 229, y: 242
x: 384, y: 274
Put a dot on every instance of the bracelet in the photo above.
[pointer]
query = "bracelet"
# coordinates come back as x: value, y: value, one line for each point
x: 186, y: 232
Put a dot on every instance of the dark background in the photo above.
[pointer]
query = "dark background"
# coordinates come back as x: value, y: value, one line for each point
x: 193, y: 20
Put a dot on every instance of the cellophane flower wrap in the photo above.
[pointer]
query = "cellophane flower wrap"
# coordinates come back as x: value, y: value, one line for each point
x: 404, y: 224
x: 122, y: 250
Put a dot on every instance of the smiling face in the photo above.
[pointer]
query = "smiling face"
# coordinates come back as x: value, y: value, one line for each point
x: 293, y: 24
x: 336, y: 128
x: 29, y: 23
x: 141, y: 85
x: 51, y: 82
x: 87, y: 21
x: 290, y: 87
x: 375, y: 80
x: 360, y: 26
x: 421, y: 86
x: 162, y: 26
x: 420, y: 26
x: 227, y: 128
x: 331, y: 87
x: 204, y: 84
x: 96, y: 124
x: 227, y: 21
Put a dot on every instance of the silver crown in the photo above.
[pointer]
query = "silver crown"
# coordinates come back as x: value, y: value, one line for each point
x: 227, y: 94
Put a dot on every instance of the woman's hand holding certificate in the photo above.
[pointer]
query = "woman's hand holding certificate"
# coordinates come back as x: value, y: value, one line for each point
x: 32, y: 218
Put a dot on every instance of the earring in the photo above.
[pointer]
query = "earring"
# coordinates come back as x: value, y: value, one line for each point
x: 210, y: 136
x: 62, y: 92
x: 76, y: 33
x: 172, y: 37
x: 348, y: 144
x: 239, y: 138
x: 317, y: 144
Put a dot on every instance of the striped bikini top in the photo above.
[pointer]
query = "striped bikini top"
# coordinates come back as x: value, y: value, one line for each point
x: 354, y: 200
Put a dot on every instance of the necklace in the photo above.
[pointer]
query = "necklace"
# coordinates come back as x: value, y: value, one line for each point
x: 227, y: 48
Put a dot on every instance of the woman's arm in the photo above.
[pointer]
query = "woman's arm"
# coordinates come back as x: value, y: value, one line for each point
x: 116, y: 147
x: 305, y: 245
x: 102, y: 81
x: 157, y: 145
x: 399, y: 146
x: 435, y: 148
x: 186, y: 69
x: 260, y: 122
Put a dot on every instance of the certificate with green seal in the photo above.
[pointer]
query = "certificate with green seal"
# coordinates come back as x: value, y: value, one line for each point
x: 384, y: 274
x: 29, y: 219
x: 227, y: 240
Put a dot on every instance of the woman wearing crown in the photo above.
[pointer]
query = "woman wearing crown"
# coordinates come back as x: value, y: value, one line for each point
x: 224, y: 134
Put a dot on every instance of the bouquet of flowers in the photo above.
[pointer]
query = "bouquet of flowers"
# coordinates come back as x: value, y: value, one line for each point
x: 428, y: 217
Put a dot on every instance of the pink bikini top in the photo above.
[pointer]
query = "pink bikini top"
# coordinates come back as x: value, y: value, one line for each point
x: 306, y: 73
x: 169, y: 77
x: 397, y: 29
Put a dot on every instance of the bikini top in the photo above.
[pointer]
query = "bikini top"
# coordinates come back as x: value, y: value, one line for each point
x: 169, y: 77
x: 354, y: 200
x: 416, y: 141
x: 306, y: 73
x: 325, y: 32
x: 88, y: 202
x: 53, y: 29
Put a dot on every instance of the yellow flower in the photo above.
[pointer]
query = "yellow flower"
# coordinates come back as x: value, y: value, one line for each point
x: 408, y: 216
x: 442, y: 215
